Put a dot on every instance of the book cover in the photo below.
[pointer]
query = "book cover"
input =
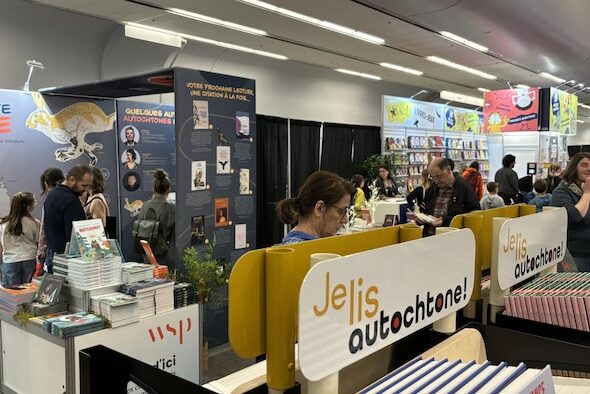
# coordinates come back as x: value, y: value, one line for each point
x: 242, y: 124
x: 197, y: 230
x: 244, y: 181
x: 240, y: 237
x: 89, y: 241
x: 198, y: 175
x: 223, y: 160
x: 200, y: 115
x: 148, y: 252
x: 221, y: 211
x: 49, y: 289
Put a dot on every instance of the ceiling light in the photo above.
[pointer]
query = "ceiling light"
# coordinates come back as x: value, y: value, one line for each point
x: 317, y: 22
x: 206, y: 40
x: 522, y: 86
x: 552, y: 77
x: 484, y: 90
x: 580, y: 121
x: 401, y: 68
x: 464, y: 41
x: 461, y: 67
x: 158, y: 36
x: 358, y: 74
x: 215, y: 21
x: 461, y: 98
x: 584, y: 105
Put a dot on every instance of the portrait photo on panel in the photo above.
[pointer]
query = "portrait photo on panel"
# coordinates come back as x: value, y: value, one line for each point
x: 131, y: 181
x: 130, y: 159
x: 129, y: 135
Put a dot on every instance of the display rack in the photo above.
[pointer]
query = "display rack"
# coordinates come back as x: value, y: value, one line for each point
x: 412, y: 149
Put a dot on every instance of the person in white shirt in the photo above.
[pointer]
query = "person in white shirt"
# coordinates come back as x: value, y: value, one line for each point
x: 19, y: 236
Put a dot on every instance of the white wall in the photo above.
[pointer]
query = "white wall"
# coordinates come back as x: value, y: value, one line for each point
x: 75, y: 49
x: 582, y: 137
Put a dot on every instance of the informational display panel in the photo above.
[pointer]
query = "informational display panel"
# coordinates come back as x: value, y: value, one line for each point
x: 145, y: 133
x: 402, y: 111
x: 563, y: 113
x: 38, y: 132
x: 511, y: 110
x: 350, y: 307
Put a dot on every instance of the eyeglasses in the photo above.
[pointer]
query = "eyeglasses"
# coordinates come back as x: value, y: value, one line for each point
x: 342, y: 211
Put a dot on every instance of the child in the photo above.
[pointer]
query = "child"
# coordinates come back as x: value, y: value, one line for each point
x: 542, y: 198
x: 492, y: 200
x: 358, y: 181
x: 19, y: 235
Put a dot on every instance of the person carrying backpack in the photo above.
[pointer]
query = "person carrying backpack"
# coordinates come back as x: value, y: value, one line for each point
x: 473, y: 178
x: 156, y: 221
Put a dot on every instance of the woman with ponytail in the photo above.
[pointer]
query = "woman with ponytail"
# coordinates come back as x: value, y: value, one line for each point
x: 320, y: 208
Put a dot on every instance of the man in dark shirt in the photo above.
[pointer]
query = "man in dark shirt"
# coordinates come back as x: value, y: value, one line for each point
x: 448, y: 197
x: 62, y: 207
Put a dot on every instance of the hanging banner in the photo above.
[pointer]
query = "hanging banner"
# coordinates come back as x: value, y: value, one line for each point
x: 525, y: 247
x: 353, y: 306
x: 459, y: 119
x: 38, y: 132
x: 401, y: 111
x: 511, y: 110
x: 563, y: 113
x: 146, y: 142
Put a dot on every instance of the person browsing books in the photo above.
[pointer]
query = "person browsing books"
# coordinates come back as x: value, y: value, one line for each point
x: 358, y: 181
x: 542, y: 198
x: 96, y: 206
x: 573, y: 193
x: 507, y: 180
x: 320, y: 208
x: 416, y: 196
x: 49, y: 179
x: 19, y: 235
x: 62, y: 206
x: 447, y: 197
x: 165, y: 213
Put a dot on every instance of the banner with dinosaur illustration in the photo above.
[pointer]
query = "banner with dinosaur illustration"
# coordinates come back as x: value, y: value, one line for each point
x: 405, y: 112
x: 215, y: 172
x: 38, y: 132
x: 145, y: 134
x: 511, y: 110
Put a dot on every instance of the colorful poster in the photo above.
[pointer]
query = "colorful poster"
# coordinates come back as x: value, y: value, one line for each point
x: 221, y: 208
x: 401, y: 111
x: 460, y: 119
x: 511, y: 110
x: 563, y: 114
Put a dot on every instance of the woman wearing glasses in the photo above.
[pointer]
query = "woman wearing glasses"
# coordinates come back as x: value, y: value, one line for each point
x: 320, y: 208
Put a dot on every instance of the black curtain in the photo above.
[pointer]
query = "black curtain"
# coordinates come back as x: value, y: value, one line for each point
x: 305, y: 150
x: 271, y: 177
x: 337, y: 149
x: 367, y: 142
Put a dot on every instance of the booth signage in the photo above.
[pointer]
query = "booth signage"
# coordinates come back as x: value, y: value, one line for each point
x: 353, y: 306
x: 458, y: 119
x: 401, y: 111
x: 563, y: 112
x: 526, y: 247
x: 511, y: 110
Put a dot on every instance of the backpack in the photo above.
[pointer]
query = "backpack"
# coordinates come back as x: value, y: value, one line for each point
x: 148, y: 229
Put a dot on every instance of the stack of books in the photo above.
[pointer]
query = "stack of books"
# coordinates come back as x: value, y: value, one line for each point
x: 73, y: 324
x: 135, y: 272
x: 47, y: 298
x: 155, y: 296
x: 11, y: 298
x: 561, y: 299
x: 430, y: 376
x: 84, y: 274
x: 184, y: 294
x: 118, y: 308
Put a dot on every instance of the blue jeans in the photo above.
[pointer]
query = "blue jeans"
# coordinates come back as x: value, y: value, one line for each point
x: 49, y: 261
x: 17, y: 273
x: 583, y: 263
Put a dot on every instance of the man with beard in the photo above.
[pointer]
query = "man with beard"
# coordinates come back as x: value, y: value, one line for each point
x: 62, y: 207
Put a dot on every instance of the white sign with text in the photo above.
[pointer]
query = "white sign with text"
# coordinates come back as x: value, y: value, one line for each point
x: 529, y: 244
x: 352, y: 306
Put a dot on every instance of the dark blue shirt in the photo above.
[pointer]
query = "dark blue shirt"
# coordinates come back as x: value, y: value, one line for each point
x: 62, y: 207
x: 295, y: 236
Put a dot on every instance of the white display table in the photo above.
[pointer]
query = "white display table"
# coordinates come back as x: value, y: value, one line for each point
x: 34, y: 361
x: 388, y: 207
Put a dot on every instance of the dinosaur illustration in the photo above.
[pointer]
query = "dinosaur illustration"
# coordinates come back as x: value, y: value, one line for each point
x: 69, y: 127
x: 133, y: 207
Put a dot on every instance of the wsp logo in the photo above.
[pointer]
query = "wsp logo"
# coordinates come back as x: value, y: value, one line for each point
x: 170, y: 329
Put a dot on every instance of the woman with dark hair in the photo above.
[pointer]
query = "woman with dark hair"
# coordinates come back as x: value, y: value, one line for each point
x: 386, y: 184
x: 473, y: 178
x: 573, y: 193
x: 320, y: 208
x: 163, y: 211
x: 19, y: 235
x: 507, y: 180
x: 358, y: 181
x: 49, y: 178
x: 96, y: 206
x: 131, y: 161
x: 416, y: 196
